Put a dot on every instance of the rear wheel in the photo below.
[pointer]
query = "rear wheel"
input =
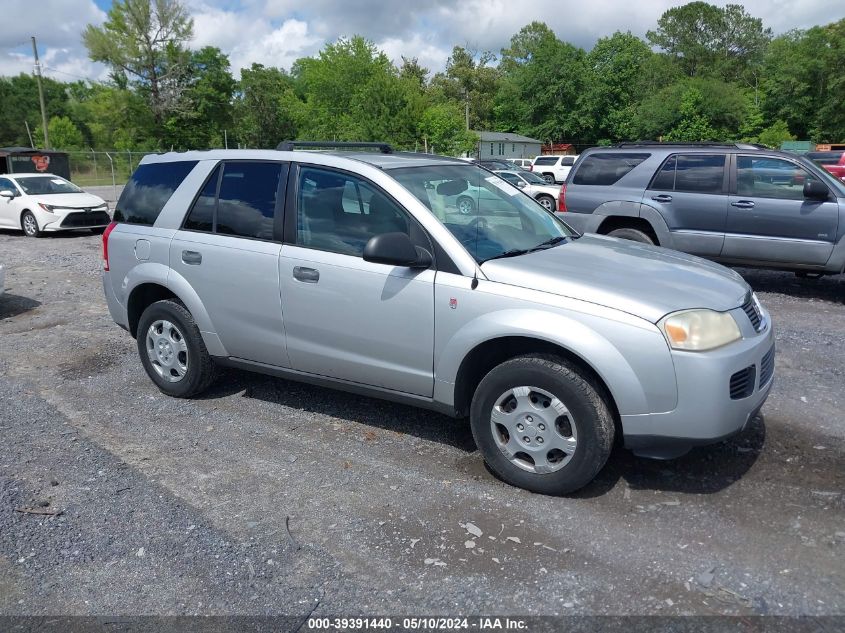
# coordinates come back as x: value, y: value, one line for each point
x: 635, y: 235
x: 549, y: 178
x: 172, y: 350
x: 547, y: 201
x: 542, y: 424
x: 30, y: 225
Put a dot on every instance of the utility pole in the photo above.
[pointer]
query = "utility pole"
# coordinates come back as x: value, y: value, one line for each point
x: 466, y: 108
x: 40, y: 94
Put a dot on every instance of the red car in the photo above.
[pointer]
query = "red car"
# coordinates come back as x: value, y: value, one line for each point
x: 834, y: 162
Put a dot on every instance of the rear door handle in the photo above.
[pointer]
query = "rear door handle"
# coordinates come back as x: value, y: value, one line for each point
x: 662, y: 198
x: 306, y: 275
x: 192, y: 258
x: 743, y: 204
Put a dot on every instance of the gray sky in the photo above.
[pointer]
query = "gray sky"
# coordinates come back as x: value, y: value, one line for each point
x: 276, y: 32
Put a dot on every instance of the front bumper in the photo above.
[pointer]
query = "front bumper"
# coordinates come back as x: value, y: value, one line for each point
x: 706, y: 412
x: 70, y: 219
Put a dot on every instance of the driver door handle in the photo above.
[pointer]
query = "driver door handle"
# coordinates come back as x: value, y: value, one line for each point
x: 743, y: 204
x: 306, y: 275
x: 662, y: 198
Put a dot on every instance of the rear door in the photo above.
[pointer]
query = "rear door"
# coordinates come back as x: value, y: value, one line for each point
x: 228, y: 251
x: 690, y: 192
x: 769, y: 220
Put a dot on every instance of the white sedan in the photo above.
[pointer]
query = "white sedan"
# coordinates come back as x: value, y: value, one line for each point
x: 34, y: 203
x: 534, y: 186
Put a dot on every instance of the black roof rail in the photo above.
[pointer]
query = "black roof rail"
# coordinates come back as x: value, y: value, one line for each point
x: 289, y: 146
x: 689, y: 144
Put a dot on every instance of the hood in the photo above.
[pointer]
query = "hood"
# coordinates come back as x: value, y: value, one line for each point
x: 552, y: 190
x: 70, y: 200
x: 646, y: 281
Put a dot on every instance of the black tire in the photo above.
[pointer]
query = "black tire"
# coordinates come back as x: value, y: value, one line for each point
x: 200, y: 367
x: 581, y: 395
x: 549, y: 178
x: 635, y: 235
x: 29, y: 225
x: 549, y: 200
x: 468, y: 204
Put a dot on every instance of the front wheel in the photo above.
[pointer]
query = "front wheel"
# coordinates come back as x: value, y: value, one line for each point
x: 549, y: 178
x: 30, y: 225
x: 542, y: 424
x: 172, y: 350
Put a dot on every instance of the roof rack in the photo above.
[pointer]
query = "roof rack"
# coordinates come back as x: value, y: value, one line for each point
x: 692, y: 144
x: 289, y: 146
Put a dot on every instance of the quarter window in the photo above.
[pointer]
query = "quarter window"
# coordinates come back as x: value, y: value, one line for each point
x: 339, y: 212
x: 148, y: 191
x: 606, y: 168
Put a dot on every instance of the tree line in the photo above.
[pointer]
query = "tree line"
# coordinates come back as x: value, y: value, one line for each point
x: 703, y: 73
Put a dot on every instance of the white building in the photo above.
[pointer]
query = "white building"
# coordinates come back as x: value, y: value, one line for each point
x: 506, y: 145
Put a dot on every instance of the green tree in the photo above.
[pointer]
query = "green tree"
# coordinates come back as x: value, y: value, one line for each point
x: 708, y: 40
x: 542, y: 82
x: 145, y: 40
x: 266, y: 107
x: 471, y: 81
x: 63, y: 134
x: 206, y: 104
x: 444, y: 130
x: 19, y: 96
x: 693, y: 124
x: 775, y: 134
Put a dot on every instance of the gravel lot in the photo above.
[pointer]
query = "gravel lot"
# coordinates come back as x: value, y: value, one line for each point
x: 271, y: 497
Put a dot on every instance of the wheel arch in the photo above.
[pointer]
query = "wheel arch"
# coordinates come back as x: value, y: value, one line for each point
x: 614, y: 222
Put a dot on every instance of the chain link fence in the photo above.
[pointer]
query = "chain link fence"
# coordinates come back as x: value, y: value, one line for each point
x: 103, y: 172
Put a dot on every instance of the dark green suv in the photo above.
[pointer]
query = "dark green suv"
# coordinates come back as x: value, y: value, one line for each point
x: 734, y: 203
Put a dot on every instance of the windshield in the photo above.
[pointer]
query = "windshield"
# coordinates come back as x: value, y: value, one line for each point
x: 825, y: 175
x: 533, y: 178
x: 488, y: 215
x: 45, y: 185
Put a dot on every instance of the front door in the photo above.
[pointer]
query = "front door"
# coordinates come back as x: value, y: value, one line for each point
x: 227, y: 253
x: 690, y: 192
x: 769, y: 220
x: 10, y: 211
x: 345, y: 318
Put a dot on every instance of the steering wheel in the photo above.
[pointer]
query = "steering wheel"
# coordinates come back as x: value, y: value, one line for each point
x: 479, y: 222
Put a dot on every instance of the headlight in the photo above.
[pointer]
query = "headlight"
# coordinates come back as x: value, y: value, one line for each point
x: 700, y: 330
x: 47, y: 207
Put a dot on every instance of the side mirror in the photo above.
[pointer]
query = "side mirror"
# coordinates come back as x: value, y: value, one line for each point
x: 521, y: 184
x: 6, y: 193
x: 396, y: 249
x: 815, y: 190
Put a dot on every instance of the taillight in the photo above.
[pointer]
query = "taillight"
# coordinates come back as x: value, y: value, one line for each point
x: 108, y: 230
x: 561, y: 199
x: 531, y: 167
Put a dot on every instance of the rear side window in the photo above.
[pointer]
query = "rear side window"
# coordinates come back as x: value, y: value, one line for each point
x: 606, y: 168
x: 567, y: 161
x: 148, y: 191
x: 546, y: 160
x: 240, y: 201
x: 694, y: 173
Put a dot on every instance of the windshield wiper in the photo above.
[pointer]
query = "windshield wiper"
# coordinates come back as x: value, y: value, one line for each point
x: 522, y: 251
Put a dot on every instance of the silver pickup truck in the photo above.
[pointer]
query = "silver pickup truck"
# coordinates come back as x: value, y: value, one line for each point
x: 354, y: 269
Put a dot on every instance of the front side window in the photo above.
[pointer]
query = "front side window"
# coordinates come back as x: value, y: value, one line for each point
x: 339, y: 212
x: 606, y: 168
x: 148, y: 191
x: 7, y: 185
x: 489, y: 216
x: 770, y: 178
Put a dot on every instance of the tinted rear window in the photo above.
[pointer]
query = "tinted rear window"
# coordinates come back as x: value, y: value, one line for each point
x: 546, y: 160
x: 697, y: 173
x: 606, y: 168
x: 148, y: 191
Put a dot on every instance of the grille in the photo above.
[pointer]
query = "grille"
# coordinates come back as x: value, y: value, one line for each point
x: 93, y: 218
x: 742, y: 383
x: 767, y: 367
x: 753, y: 313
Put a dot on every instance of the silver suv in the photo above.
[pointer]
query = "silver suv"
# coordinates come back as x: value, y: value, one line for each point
x: 355, y: 270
